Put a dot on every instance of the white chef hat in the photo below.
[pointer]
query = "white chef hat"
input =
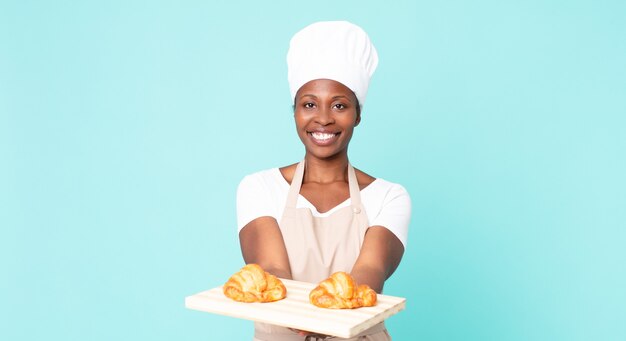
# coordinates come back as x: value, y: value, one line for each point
x: 336, y: 50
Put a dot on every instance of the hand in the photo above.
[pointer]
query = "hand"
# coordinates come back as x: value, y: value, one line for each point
x: 309, y: 336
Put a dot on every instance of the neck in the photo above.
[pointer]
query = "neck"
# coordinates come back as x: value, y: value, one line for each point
x: 325, y: 171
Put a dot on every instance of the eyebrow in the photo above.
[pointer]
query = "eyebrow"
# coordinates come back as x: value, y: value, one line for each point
x: 334, y: 97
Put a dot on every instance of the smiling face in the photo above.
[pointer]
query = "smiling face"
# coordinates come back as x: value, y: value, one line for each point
x: 326, y: 113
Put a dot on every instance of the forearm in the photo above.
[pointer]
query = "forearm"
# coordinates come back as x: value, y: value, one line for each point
x: 379, y: 257
x: 268, y: 260
x: 262, y: 243
x: 373, y: 277
x: 278, y: 271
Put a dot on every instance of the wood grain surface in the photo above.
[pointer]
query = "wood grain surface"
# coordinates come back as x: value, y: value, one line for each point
x: 295, y: 311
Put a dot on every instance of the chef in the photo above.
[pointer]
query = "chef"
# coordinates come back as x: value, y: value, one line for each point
x: 320, y: 215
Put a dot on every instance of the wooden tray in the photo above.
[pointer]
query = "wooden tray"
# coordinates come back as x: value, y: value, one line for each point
x: 295, y: 311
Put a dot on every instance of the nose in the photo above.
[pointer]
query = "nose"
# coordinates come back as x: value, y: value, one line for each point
x: 324, y: 117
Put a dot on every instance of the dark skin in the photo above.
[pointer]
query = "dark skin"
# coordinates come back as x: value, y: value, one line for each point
x: 326, y: 113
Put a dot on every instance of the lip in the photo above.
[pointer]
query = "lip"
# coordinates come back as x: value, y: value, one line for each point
x: 321, y: 137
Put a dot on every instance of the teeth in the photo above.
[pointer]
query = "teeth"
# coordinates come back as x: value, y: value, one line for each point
x: 322, y: 136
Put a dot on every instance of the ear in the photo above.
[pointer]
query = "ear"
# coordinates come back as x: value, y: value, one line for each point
x: 358, y: 119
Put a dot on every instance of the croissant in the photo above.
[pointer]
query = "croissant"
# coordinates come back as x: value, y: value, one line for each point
x: 340, y: 291
x: 253, y: 284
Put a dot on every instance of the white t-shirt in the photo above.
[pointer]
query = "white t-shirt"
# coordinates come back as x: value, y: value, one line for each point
x: 265, y: 194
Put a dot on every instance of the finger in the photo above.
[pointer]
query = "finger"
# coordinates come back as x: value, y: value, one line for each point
x: 299, y: 332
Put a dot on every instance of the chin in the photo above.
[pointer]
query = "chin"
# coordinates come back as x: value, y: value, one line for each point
x: 328, y: 155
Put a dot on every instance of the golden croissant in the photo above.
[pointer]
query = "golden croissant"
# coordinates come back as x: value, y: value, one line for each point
x: 340, y: 291
x: 253, y: 284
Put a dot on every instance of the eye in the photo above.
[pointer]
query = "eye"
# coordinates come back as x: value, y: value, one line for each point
x: 339, y: 106
x: 308, y: 105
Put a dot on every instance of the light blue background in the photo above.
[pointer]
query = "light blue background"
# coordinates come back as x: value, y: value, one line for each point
x: 125, y: 127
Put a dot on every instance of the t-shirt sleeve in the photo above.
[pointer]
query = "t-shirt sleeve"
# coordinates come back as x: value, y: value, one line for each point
x: 253, y: 200
x: 395, y: 213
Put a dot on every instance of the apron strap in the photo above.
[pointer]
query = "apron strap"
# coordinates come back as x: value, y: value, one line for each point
x: 355, y: 192
x: 296, y: 183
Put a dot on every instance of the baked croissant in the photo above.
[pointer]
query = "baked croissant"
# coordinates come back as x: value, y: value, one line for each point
x: 253, y: 284
x: 340, y: 291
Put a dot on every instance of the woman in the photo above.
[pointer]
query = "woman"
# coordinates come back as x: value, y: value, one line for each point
x: 310, y: 219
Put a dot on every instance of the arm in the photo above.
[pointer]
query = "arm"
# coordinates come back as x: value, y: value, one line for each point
x: 262, y: 243
x: 383, y: 244
x: 380, y: 255
x: 259, y: 235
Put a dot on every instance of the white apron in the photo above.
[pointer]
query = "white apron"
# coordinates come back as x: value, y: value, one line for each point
x: 318, y: 247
